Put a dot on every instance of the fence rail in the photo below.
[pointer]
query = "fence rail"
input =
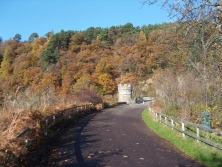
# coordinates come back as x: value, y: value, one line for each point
x: 51, y: 120
x: 193, y: 130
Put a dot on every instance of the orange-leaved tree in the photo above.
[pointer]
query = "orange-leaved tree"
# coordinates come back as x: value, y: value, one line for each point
x: 106, y: 84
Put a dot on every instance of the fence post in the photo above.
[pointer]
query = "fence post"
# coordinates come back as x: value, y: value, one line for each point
x: 46, y: 123
x: 160, y: 118
x: 166, y: 120
x: 172, y: 123
x: 53, y: 118
x: 153, y: 112
x: 27, y: 138
x: 198, y: 134
x: 183, y: 129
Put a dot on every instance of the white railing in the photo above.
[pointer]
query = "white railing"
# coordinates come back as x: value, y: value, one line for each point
x: 199, y: 132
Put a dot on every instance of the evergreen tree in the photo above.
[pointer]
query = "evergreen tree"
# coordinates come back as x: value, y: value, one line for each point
x: 57, y: 42
x: 127, y: 28
x: 49, y: 34
x: 17, y: 37
x: 32, y: 37
x: 103, y: 35
x: 88, y: 34
x: 96, y: 32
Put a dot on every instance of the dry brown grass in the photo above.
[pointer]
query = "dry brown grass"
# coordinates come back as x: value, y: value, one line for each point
x: 27, y: 109
x: 156, y: 106
x: 8, y: 137
x: 10, y: 145
x: 19, y: 112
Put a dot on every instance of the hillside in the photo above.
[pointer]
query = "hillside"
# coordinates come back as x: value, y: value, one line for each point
x: 181, y: 69
x: 79, y: 67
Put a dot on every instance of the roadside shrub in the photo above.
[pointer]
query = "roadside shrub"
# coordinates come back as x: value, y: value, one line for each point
x: 172, y: 110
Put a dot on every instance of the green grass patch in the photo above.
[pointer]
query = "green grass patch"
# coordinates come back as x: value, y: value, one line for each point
x: 202, y: 152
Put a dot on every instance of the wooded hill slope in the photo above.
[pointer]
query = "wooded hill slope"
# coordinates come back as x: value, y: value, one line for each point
x: 79, y: 67
x: 94, y: 60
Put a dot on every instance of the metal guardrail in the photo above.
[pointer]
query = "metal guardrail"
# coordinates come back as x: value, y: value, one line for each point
x: 185, y: 128
x: 51, y: 120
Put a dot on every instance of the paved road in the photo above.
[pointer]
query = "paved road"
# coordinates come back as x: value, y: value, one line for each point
x: 115, y: 137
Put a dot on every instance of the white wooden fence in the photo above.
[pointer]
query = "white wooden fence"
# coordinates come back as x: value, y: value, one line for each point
x: 199, y: 132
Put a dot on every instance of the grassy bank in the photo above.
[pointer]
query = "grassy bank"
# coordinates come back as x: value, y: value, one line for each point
x: 204, y: 153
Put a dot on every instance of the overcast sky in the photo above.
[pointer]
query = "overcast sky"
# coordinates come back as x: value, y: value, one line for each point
x: 41, y: 16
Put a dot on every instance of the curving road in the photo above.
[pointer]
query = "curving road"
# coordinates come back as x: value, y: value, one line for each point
x: 115, y: 137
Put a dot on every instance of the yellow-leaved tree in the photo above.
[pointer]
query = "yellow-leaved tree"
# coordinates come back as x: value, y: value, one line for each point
x: 6, y: 68
x: 106, y: 84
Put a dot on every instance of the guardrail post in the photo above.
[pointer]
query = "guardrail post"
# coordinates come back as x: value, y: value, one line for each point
x: 151, y: 111
x: 63, y: 115
x: 183, y: 129
x: 198, y: 134
x: 27, y: 138
x: 172, y: 123
x: 46, y: 123
x: 53, y: 118
x: 69, y: 112
x: 76, y: 110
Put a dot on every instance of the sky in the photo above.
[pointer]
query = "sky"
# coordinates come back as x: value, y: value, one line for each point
x: 41, y: 16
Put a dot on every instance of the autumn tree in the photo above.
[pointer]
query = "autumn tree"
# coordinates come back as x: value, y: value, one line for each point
x: 1, y: 52
x: 88, y: 96
x: 106, y: 85
x: 85, y: 82
x: 103, y: 66
x: 30, y: 74
x: 142, y: 36
x: 202, y: 23
x: 200, y: 26
x: 76, y: 40
x: 6, y: 68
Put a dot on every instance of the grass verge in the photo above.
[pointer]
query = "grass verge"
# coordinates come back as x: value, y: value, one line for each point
x: 204, y: 153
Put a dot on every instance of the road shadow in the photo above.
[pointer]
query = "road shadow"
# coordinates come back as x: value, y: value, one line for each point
x: 66, y: 151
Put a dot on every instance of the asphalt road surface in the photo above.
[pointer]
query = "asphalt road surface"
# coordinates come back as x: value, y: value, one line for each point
x: 115, y: 137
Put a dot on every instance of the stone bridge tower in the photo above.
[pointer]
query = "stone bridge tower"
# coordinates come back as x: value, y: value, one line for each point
x: 125, y: 93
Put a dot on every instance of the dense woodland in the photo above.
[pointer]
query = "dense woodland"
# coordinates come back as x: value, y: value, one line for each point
x: 69, y: 62
x: 81, y: 67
